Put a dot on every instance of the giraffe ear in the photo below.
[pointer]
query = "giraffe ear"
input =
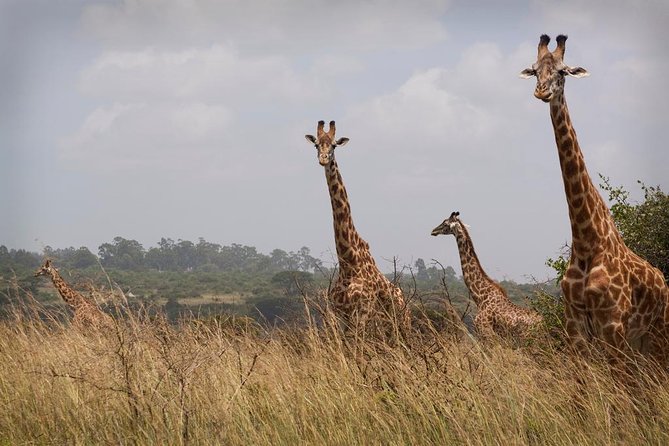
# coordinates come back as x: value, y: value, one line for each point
x: 342, y: 141
x: 527, y: 73
x: 310, y: 138
x: 576, y: 72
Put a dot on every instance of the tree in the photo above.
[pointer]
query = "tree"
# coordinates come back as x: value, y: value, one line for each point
x: 83, y: 258
x: 206, y: 252
x: 644, y: 226
x: 186, y: 255
x: 122, y: 254
x: 421, y: 270
x: 306, y: 261
x: 279, y: 259
x: 291, y: 281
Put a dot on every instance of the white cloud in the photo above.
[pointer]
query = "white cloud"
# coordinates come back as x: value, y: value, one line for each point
x: 463, y: 111
x: 625, y: 25
x: 217, y: 73
x: 268, y: 25
x: 150, y: 136
x: 155, y: 106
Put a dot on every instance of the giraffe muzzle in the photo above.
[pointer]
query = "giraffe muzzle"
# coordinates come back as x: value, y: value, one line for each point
x: 543, y: 95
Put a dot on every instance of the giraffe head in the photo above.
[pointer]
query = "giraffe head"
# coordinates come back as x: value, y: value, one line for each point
x: 448, y: 226
x: 46, y: 269
x: 550, y: 69
x: 325, y: 142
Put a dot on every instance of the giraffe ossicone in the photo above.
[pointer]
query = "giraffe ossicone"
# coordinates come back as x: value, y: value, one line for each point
x: 610, y: 293
x: 497, y: 315
x: 361, y: 292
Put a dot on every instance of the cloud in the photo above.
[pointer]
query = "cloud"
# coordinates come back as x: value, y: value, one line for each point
x: 150, y: 136
x: 214, y: 74
x: 450, y: 115
x: 621, y: 24
x: 268, y: 25
x: 155, y: 106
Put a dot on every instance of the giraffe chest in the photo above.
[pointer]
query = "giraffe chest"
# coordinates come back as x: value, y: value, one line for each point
x: 352, y: 289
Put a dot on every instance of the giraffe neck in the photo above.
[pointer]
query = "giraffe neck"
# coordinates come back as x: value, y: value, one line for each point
x: 71, y: 297
x: 347, y: 239
x: 477, y: 281
x: 590, y: 219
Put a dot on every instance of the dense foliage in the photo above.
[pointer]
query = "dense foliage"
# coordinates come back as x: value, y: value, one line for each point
x: 206, y: 278
x: 644, y: 226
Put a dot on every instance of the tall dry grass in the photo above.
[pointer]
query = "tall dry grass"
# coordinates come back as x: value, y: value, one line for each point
x: 231, y: 382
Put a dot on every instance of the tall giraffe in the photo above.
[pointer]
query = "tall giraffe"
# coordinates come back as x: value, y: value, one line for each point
x: 496, y: 313
x: 85, y: 312
x: 610, y: 293
x: 360, y: 292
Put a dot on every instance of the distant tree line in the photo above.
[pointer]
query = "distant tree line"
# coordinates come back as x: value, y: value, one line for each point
x: 182, y: 255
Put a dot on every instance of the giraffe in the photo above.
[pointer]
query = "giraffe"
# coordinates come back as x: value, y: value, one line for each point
x: 85, y: 312
x: 360, y: 291
x: 497, y: 315
x: 611, y: 294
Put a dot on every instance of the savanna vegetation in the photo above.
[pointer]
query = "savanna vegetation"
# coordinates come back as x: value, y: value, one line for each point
x: 185, y: 364
x: 230, y: 381
x: 208, y: 279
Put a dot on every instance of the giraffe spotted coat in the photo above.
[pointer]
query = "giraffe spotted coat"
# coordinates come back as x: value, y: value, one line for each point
x: 361, y: 292
x: 611, y: 294
x: 86, y: 314
x: 496, y: 313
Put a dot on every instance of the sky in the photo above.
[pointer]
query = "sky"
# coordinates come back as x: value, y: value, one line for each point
x: 184, y: 119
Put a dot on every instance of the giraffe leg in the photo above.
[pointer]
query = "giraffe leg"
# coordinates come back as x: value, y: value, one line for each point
x: 658, y: 342
x: 360, y: 303
x: 397, y: 315
x: 578, y: 332
x: 483, y: 324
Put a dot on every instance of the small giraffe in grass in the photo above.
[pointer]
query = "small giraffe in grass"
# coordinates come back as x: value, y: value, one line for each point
x: 496, y: 313
x: 361, y: 292
x: 610, y: 293
x: 85, y: 313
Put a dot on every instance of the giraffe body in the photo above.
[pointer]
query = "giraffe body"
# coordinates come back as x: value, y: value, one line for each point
x: 497, y: 315
x: 610, y: 293
x: 361, y: 292
x: 86, y: 314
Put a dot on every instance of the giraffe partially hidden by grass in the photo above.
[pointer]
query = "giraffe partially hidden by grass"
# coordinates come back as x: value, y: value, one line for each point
x: 496, y: 313
x: 86, y: 314
x: 361, y: 293
x: 610, y: 293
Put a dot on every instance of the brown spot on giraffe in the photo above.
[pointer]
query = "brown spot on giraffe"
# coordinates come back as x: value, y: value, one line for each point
x: 635, y: 311
x: 361, y: 292
x: 86, y: 314
x: 496, y: 313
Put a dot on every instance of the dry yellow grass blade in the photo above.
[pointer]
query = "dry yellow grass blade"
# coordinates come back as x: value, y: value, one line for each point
x: 147, y: 382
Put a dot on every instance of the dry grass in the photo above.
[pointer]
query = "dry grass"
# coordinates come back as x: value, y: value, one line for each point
x: 147, y: 382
